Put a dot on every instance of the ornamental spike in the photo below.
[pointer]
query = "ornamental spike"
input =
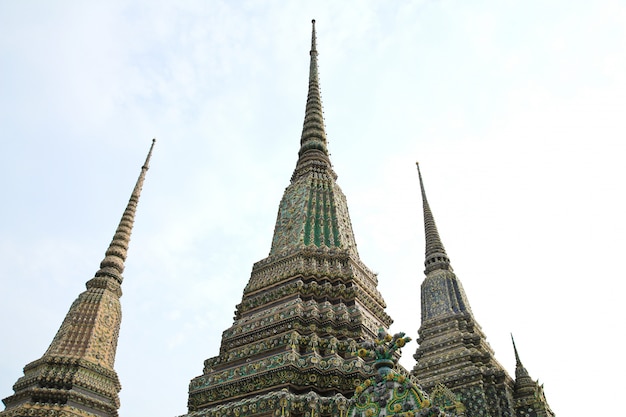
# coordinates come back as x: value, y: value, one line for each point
x: 520, y: 371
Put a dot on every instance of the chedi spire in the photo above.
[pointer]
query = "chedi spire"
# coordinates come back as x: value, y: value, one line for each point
x: 313, y: 154
x: 436, y: 257
x: 313, y: 212
x: 113, y: 263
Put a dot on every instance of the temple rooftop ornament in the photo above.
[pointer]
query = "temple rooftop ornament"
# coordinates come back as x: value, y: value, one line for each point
x: 391, y: 392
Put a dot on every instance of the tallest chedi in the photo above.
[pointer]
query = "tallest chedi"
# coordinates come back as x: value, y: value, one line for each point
x: 291, y: 348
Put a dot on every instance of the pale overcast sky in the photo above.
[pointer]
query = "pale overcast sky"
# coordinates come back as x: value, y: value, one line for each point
x: 514, y: 109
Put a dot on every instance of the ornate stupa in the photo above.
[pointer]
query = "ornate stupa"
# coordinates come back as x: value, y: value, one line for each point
x: 292, y: 347
x: 453, y: 351
x: 75, y: 376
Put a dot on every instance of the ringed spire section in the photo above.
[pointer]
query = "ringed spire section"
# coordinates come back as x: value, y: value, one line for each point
x: 436, y: 257
x: 313, y: 155
x: 113, y: 263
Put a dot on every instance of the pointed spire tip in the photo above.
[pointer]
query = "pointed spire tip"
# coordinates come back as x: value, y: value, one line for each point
x: 517, y: 359
x: 419, y: 173
x: 313, y: 39
x: 146, y: 164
